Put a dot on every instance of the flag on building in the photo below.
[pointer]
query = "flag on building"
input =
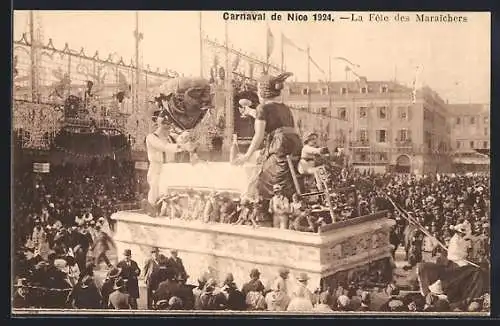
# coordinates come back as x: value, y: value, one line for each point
x: 415, y: 84
x: 316, y: 65
x: 348, y: 61
x: 286, y: 41
x: 270, y: 43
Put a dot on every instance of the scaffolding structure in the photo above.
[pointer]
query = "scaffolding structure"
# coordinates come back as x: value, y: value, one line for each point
x: 45, y: 77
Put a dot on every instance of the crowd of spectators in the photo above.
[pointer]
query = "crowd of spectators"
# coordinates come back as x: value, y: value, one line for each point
x: 62, y: 219
x: 63, y: 234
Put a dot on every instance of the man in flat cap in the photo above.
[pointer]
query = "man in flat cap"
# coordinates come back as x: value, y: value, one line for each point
x: 151, y: 265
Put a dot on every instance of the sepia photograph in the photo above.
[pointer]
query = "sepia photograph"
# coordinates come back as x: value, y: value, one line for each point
x: 250, y: 162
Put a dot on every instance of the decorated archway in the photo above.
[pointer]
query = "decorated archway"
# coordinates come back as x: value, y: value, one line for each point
x: 403, y: 164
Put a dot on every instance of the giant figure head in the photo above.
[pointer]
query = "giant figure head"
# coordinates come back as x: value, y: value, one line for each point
x: 184, y: 101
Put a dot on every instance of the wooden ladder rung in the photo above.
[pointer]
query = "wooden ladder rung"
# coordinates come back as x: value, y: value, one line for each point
x: 314, y: 193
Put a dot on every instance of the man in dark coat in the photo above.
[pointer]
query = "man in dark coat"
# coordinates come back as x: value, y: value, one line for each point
x: 235, y: 299
x: 161, y: 274
x: 130, y: 273
x: 176, y: 263
x: 254, y: 285
x: 151, y: 265
x: 84, y: 241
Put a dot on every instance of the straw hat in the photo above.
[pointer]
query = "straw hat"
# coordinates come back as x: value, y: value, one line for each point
x: 303, y: 277
x: 21, y: 282
x: 254, y: 273
x: 437, y: 289
x: 309, y: 136
x: 284, y: 271
x: 245, y: 102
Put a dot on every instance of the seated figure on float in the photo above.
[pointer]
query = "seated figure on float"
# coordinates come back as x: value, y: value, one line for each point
x: 308, y: 164
x: 181, y: 108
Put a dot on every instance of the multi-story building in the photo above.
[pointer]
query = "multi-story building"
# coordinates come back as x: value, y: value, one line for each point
x: 470, y: 127
x: 470, y: 135
x: 381, y: 124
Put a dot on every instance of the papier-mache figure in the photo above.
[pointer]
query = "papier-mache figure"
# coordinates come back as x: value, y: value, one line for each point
x: 227, y: 210
x: 175, y: 207
x: 310, y: 151
x: 163, y: 204
x: 247, y: 213
x: 279, y: 207
x: 199, y: 206
x: 211, y: 211
x: 190, y: 208
x: 181, y: 108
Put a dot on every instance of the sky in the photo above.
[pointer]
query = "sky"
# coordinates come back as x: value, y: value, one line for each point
x: 454, y: 57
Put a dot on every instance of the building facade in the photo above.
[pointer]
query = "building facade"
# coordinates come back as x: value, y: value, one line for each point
x: 382, y: 125
x: 470, y: 136
x: 470, y: 127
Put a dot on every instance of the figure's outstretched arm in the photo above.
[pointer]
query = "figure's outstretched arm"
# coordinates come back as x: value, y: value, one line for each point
x: 162, y: 145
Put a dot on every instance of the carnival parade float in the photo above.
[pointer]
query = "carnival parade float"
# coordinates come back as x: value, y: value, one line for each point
x: 198, y: 215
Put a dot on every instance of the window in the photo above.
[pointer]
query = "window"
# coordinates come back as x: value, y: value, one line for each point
x: 342, y: 113
x: 486, y: 131
x: 363, y: 112
x: 323, y: 111
x: 324, y: 91
x: 382, y: 112
x: 343, y: 90
x: 403, y: 113
x: 458, y: 144
x: 428, y: 139
x: 382, y: 157
x: 471, y: 144
x: 381, y: 136
x: 485, y: 144
x: 362, y: 157
x: 428, y: 115
x: 363, y: 135
x: 458, y: 120
x: 363, y: 90
x: 472, y: 120
x: 341, y: 136
x: 305, y: 91
x: 403, y: 135
x: 384, y: 89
